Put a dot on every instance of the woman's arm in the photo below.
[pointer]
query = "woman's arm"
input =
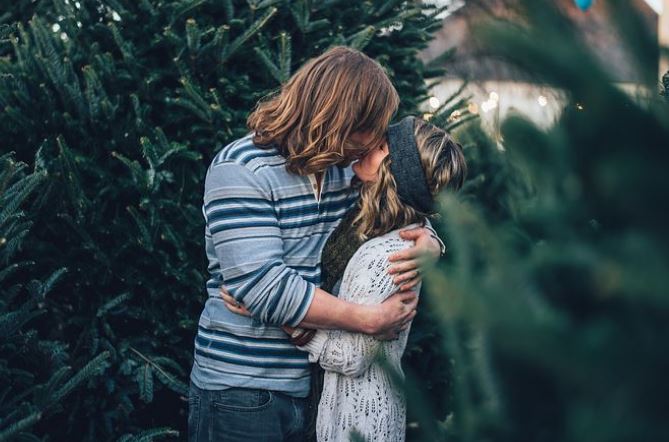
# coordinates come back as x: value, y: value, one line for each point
x: 343, y: 352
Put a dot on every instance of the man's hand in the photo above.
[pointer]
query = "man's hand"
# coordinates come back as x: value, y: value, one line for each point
x: 392, y: 316
x: 232, y: 304
x: 237, y: 307
x: 409, y: 262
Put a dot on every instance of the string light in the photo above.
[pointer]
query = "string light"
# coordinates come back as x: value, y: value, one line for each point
x: 434, y: 102
x: 454, y: 115
x: 543, y: 101
x: 488, y: 105
x: 491, y: 103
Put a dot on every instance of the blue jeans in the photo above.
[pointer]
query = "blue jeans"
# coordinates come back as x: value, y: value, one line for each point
x: 244, y: 414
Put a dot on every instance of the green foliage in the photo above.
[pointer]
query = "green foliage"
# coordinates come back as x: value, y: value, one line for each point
x: 556, y: 316
x: 494, y: 186
x: 34, y: 371
x: 121, y: 105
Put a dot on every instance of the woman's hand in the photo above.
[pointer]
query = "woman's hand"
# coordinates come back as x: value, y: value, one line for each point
x: 232, y: 304
x: 408, y: 262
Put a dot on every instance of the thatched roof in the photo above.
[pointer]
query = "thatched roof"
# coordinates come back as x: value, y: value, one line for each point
x: 471, y: 60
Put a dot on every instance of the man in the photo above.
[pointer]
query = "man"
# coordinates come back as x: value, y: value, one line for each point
x: 271, y: 198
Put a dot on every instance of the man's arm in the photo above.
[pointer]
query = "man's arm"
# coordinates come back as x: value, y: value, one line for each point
x: 353, y: 353
x: 329, y: 312
x: 435, y: 236
x: 247, y: 240
x: 244, y: 229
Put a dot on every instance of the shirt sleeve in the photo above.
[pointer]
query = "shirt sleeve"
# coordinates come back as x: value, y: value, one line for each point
x: 240, y: 216
x: 442, y: 246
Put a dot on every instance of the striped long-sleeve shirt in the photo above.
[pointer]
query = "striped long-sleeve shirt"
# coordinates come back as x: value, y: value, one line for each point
x: 265, y: 230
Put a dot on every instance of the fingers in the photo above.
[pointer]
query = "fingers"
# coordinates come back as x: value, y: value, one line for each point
x: 406, y: 276
x: 406, y: 254
x: 411, y: 305
x: 412, y: 234
x: 405, y: 297
x: 394, y: 313
x: 241, y: 310
x: 388, y: 336
x: 228, y: 298
x: 233, y: 305
x: 409, y: 309
x: 434, y: 247
x: 404, y: 266
x: 394, y: 333
x: 407, y: 313
x: 411, y: 284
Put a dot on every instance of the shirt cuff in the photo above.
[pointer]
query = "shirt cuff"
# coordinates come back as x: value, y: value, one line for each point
x: 442, y: 246
x: 315, y: 346
x: 304, y: 305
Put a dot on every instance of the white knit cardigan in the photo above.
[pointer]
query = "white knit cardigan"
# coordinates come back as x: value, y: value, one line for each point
x: 358, y: 394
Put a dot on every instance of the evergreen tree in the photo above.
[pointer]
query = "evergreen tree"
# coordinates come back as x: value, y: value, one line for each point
x: 493, y: 184
x: 34, y: 373
x: 123, y: 104
x: 556, y: 317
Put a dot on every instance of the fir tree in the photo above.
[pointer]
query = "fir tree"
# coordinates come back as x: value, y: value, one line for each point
x: 556, y: 317
x: 34, y: 373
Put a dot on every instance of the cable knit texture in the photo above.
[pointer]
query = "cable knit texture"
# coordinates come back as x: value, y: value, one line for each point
x: 358, y: 394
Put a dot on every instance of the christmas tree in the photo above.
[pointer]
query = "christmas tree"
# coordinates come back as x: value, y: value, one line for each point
x: 556, y: 316
x: 35, y: 375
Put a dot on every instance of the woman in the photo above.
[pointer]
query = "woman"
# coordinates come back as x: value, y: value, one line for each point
x: 399, y: 181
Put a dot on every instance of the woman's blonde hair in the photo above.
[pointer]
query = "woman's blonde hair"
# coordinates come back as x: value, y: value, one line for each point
x: 332, y: 96
x: 381, y: 209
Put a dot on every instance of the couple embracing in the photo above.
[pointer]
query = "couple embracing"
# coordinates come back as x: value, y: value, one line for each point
x: 312, y: 260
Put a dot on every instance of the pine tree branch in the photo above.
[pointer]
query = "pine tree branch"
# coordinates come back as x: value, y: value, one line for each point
x: 19, y: 426
x: 237, y: 43
x: 182, y: 388
x: 93, y: 368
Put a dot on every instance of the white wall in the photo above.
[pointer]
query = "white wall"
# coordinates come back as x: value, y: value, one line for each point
x: 525, y: 98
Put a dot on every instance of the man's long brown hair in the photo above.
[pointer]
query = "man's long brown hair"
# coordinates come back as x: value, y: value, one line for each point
x: 330, y: 97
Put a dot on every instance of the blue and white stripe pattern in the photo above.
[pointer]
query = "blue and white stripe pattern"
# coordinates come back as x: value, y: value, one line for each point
x: 265, y: 230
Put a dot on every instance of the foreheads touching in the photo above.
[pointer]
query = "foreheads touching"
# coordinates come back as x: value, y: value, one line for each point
x: 341, y: 93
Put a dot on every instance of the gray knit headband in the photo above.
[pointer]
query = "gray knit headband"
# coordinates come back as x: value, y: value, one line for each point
x: 406, y: 167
